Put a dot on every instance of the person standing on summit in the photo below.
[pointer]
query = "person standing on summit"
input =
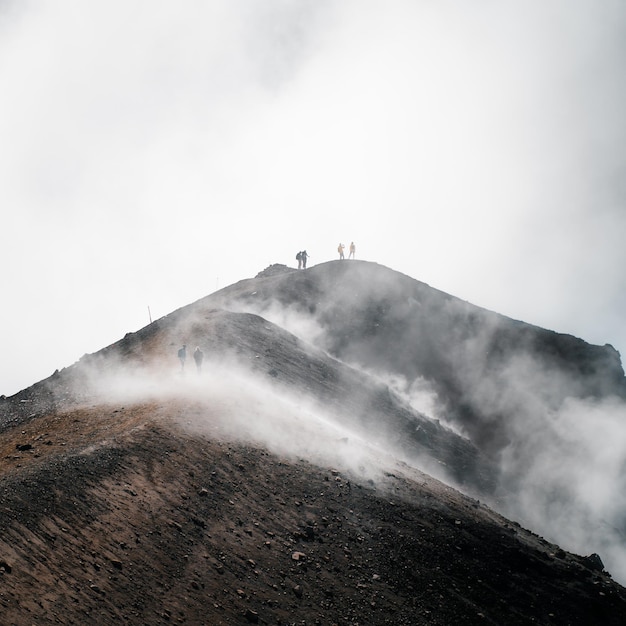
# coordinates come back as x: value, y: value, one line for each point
x: 305, y: 256
x: 352, y: 250
x: 340, y: 249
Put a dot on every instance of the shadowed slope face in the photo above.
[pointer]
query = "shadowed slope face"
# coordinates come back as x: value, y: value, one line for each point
x: 483, y: 366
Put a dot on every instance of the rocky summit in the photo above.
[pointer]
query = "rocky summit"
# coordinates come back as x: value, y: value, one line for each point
x: 345, y: 453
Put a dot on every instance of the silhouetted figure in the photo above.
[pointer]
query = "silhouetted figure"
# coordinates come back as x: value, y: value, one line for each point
x: 305, y: 256
x: 299, y: 259
x: 340, y: 249
x: 352, y: 250
x: 198, y: 356
x: 182, y: 355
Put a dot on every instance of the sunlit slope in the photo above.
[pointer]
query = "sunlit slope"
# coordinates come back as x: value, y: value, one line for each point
x: 487, y: 369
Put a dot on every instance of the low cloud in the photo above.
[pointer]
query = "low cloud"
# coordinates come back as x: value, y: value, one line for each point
x: 564, y: 476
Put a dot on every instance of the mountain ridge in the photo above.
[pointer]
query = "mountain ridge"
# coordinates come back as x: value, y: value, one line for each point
x: 292, y: 479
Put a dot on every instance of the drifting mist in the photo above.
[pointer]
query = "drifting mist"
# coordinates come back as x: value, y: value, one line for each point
x: 178, y: 145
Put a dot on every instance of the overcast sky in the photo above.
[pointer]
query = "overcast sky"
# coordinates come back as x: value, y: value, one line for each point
x: 153, y: 151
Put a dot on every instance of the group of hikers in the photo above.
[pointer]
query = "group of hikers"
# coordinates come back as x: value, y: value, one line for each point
x: 341, y: 248
x: 198, y: 357
x: 302, y: 256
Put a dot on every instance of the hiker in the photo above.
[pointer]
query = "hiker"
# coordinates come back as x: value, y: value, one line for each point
x: 352, y: 250
x: 299, y: 259
x: 340, y: 249
x: 305, y: 256
x: 182, y: 355
x: 198, y: 355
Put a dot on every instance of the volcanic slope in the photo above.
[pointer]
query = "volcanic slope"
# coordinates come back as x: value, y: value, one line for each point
x: 548, y: 408
x: 251, y: 352
x: 369, y: 315
x: 277, y: 485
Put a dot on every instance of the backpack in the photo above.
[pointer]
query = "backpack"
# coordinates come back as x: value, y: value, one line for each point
x: 298, y: 256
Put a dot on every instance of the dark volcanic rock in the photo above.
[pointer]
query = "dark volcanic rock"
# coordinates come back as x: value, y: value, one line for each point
x: 404, y: 551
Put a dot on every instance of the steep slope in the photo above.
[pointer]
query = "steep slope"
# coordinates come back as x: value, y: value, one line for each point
x: 548, y: 408
x: 116, y: 514
x: 243, y: 344
x: 484, y: 366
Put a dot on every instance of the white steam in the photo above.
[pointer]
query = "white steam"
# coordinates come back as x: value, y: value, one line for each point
x: 567, y: 471
x: 227, y: 401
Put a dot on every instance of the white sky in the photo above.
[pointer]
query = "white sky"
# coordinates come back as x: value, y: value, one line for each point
x: 151, y: 151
